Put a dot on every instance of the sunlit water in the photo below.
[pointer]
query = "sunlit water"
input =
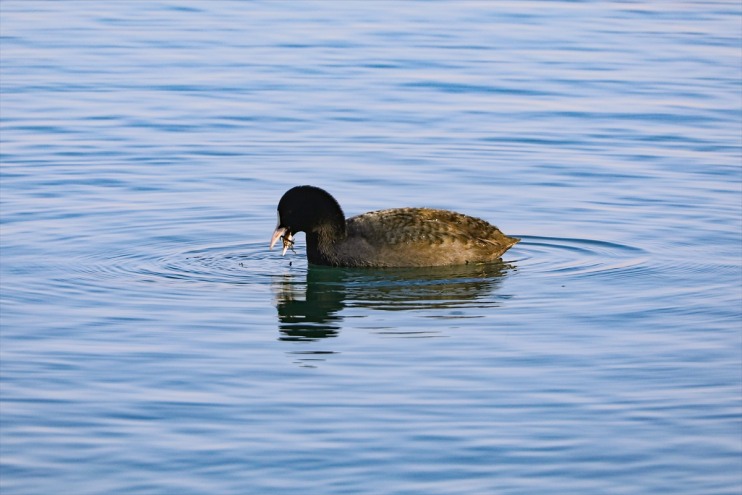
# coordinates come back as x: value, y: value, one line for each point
x: 151, y: 343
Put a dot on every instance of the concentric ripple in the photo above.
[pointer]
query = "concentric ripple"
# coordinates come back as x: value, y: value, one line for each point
x: 558, y: 256
x: 234, y: 264
x: 239, y: 264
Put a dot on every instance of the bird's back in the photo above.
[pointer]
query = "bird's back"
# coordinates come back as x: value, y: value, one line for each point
x: 420, y: 237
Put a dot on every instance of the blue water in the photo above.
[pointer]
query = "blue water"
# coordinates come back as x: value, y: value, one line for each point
x: 151, y: 344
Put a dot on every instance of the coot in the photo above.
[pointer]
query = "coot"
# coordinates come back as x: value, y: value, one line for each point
x: 398, y: 237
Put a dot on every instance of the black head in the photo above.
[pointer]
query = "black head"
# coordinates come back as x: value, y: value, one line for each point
x: 308, y: 209
x: 304, y: 208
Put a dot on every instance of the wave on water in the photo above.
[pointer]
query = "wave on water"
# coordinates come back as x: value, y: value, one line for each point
x: 251, y: 263
x: 559, y: 256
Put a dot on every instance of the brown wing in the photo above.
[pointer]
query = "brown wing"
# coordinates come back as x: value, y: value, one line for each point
x: 436, y: 236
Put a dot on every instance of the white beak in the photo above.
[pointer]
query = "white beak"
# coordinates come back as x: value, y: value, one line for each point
x: 277, y: 234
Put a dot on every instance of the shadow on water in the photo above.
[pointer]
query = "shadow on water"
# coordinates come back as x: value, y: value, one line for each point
x: 310, y: 308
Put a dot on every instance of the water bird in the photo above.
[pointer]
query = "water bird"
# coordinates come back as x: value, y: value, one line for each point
x: 397, y: 237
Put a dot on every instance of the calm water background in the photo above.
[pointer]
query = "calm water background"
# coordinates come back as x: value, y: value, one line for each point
x: 152, y: 344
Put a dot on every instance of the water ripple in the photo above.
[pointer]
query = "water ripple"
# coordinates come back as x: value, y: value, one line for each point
x: 234, y: 264
x: 250, y: 263
x: 559, y: 256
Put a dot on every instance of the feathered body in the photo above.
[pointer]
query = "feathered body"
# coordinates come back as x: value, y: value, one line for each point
x: 398, y: 237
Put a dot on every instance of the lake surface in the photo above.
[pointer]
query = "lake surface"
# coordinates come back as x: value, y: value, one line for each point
x: 151, y: 344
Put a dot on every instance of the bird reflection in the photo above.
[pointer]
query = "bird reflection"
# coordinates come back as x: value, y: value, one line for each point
x: 309, y: 309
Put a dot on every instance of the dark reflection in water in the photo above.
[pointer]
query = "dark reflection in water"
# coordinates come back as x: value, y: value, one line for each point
x: 310, y: 309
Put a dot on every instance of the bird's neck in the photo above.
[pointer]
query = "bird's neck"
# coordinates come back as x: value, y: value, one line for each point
x: 322, y: 242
